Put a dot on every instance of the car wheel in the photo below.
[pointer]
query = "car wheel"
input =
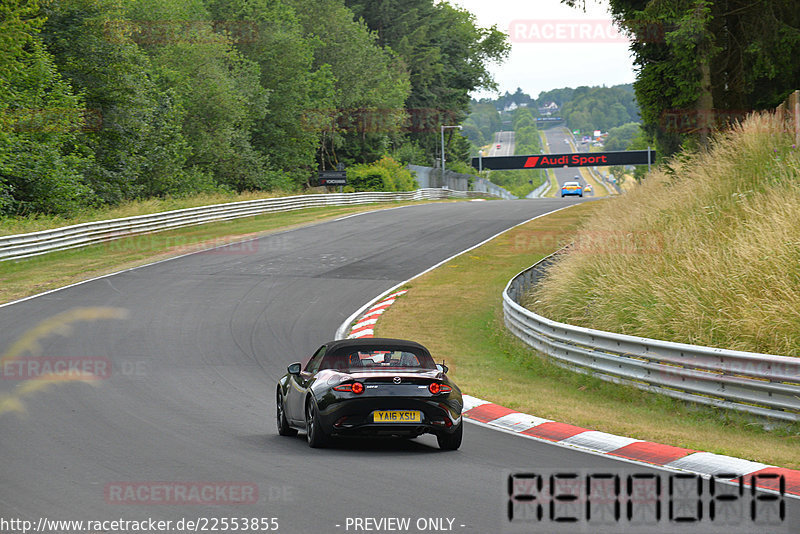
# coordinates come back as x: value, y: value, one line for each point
x: 316, y: 437
x: 562, y: 195
x: 283, y: 424
x: 581, y: 195
x: 451, y: 442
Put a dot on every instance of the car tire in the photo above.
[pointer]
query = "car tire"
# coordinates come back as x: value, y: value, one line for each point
x: 562, y: 195
x: 581, y: 195
x: 283, y: 424
x: 451, y: 442
x: 314, y: 433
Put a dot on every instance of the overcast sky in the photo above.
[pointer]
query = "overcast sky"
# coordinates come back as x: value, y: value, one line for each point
x: 553, y: 45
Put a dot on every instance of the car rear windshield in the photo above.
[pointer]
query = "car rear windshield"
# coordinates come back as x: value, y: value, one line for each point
x: 360, y: 360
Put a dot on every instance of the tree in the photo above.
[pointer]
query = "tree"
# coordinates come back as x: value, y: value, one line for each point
x: 217, y: 88
x: 139, y: 147
x: 618, y: 172
x: 41, y: 156
x: 559, y: 96
x: 197, y: 95
x: 486, y: 121
x: 621, y: 137
x: 706, y: 62
x: 600, y: 108
x: 277, y: 44
x: 519, y: 98
x: 446, y: 54
x: 369, y: 84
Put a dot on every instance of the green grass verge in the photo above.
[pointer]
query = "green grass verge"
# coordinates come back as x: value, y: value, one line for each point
x: 456, y: 312
x: 550, y: 173
x: 554, y: 190
x: 22, y: 278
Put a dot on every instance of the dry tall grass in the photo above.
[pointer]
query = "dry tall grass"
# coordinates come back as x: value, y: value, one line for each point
x: 705, y: 251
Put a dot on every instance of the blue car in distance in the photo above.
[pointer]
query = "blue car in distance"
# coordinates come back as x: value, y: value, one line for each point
x: 571, y: 188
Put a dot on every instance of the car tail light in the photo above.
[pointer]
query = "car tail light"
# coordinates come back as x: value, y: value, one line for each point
x: 436, y: 388
x: 355, y: 387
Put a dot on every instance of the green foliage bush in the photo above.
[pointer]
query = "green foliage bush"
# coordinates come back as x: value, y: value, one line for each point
x: 385, y: 174
x: 621, y: 137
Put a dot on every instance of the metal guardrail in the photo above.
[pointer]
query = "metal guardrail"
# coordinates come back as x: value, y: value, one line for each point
x: 760, y: 384
x: 541, y: 190
x: 35, y: 243
x: 486, y: 186
x: 428, y: 176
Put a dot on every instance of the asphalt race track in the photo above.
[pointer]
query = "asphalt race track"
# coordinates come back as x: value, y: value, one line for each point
x: 190, y: 396
x: 557, y: 139
x: 506, y: 140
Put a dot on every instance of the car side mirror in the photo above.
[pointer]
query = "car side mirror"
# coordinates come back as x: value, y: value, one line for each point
x: 294, y: 369
x: 442, y: 367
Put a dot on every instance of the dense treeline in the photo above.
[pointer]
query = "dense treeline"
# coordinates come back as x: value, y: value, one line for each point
x: 481, y: 124
x: 446, y: 55
x: 582, y: 108
x: 517, y: 98
x: 622, y: 137
x: 600, y: 108
x: 559, y: 96
x: 703, y: 63
x: 103, y: 101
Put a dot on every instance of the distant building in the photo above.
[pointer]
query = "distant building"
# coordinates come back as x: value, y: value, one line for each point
x: 548, y: 109
x: 513, y: 105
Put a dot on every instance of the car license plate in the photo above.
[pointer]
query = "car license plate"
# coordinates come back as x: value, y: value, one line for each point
x: 397, y: 416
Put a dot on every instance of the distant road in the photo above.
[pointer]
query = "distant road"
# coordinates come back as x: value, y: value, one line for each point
x: 557, y: 139
x: 506, y: 142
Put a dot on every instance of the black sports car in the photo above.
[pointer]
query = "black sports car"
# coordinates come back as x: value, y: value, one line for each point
x: 373, y: 386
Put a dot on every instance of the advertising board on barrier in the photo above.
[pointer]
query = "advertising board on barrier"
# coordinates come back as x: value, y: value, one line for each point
x: 333, y: 178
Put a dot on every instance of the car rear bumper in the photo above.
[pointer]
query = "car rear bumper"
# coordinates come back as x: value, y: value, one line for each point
x: 391, y: 430
x: 355, y: 416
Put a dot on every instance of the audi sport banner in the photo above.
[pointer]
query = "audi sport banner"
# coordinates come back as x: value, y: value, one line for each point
x: 579, y: 159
